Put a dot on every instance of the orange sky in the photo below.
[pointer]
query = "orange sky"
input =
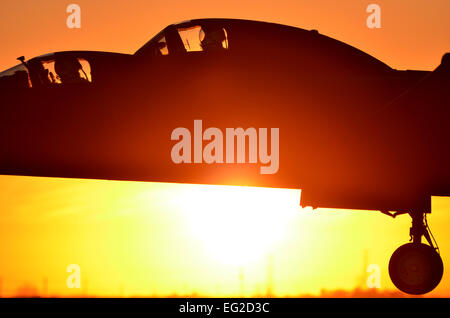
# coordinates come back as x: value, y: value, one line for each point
x: 160, y: 239
x: 414, y: 34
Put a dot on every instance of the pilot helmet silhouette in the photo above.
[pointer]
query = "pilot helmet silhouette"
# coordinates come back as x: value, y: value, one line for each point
x: 212, y: 38
x: 68, y: 70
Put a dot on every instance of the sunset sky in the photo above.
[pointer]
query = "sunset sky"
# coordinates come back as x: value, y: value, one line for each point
x: 160, y: 239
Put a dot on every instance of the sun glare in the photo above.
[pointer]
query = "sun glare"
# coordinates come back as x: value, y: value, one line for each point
x: 239, y: 225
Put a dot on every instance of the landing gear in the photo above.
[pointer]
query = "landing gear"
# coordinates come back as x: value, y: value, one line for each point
x: 416, y: 268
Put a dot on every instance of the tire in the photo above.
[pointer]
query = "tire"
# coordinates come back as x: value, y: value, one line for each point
x: 416, y: 268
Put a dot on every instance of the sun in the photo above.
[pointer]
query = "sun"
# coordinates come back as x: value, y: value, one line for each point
x: 239, y: 225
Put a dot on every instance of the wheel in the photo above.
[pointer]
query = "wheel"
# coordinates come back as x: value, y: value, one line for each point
x: 415, y: 268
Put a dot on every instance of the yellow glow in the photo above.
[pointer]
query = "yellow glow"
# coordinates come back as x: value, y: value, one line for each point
x: 161, y: 239
x: 239, y: 225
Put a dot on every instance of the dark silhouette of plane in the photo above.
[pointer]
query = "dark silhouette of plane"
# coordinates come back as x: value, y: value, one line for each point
x: 353, y: 132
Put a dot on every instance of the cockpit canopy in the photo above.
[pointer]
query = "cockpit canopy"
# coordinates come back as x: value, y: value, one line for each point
x: 185, y: 37
x: 253, y: 38
x: 48, y: 70
x: 270, y: 44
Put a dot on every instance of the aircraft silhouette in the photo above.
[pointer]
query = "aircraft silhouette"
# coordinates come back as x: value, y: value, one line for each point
x: 353, y: 132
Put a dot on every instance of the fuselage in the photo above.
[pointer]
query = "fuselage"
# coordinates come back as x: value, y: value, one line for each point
x: 345, y: 136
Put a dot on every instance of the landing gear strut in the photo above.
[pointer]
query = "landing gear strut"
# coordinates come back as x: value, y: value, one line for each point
x: 416, y: 268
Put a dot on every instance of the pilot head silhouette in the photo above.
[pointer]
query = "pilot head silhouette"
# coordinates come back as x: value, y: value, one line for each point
x: 211, y: 38
x: 68, y: 70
